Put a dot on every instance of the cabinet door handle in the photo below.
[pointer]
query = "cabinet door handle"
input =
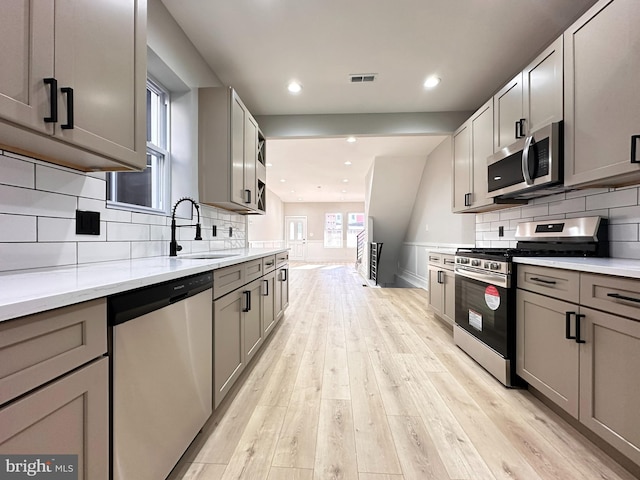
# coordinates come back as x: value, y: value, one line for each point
x: 440, y: 272
x: 266, y: 288
x: 542, y: 280
x: 284, y: 274
x: 247, y: 196
x: 247, y: 299
x: 520, y: 128
x: 578, y: 339
x: 69, y: 92
x: 623, y: 297
x: 567, y: 334
x: 634, y: 148
x: 53, y: 101
x: 467, y: 199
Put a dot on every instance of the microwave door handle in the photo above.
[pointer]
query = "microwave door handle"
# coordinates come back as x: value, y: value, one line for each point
x: 525, y: 159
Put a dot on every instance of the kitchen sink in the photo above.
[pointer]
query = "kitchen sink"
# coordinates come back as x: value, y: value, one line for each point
x: 209, y: 256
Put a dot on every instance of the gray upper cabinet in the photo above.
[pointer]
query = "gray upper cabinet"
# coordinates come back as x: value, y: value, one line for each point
x: 602, y: 99
x: 533, y: 99
x: 90, y: 112
x: 472, y: 144
x: 228, y: 152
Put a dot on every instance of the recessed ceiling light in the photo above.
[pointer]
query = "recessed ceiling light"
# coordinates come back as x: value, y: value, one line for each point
x: 282, y: 180
x: 431, y: 82
x: 344, y: 191
x: 347, y: 162
x: 351, y: 139
x: 346, y: 180
x: 299, y: 198
x: 293, y: 191
x: 294, y: 87
x: 269, y: 164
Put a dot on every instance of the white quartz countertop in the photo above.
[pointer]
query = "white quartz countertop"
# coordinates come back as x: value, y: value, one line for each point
x: 621, y: 267
x: 31, y: 291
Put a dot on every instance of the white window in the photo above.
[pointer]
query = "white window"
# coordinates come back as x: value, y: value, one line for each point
x: 332, y: 230
x: 355, y: 224
x: 148, y: 190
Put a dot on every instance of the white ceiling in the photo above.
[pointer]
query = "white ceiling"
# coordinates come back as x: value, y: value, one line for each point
x: 475, y: 46
x: 314, y: 170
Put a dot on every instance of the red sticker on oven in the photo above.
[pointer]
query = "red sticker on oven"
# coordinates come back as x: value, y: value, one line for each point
x: 492, y: 297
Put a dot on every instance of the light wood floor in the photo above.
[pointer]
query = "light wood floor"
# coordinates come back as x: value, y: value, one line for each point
x: 362, y: 383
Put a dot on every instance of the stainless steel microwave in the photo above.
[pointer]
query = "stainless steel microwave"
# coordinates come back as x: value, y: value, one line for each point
x: 528, y: 168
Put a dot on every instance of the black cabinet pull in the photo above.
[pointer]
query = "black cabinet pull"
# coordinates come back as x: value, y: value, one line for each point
x: 247, y: 196
x: 439, y: 279
x: 623, y: 297
x: 520, y: 128
x: 266, y: 289
x: 69, y: 92
x: 578, y: 339
x: 284, y: 274
x: 53, y: 101
x: 634, y: 149
x: 549, y: 282
x: 467, y: 199
x: 247, y: 299
x: 567, y: 317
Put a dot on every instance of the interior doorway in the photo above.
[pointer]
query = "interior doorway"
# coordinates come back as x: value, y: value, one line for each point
x: 296, y: 235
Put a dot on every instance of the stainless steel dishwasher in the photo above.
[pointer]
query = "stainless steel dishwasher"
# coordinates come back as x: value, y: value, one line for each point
x: 161, y: 374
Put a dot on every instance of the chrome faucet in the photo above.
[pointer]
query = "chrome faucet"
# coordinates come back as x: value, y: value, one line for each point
x: 174, y: 248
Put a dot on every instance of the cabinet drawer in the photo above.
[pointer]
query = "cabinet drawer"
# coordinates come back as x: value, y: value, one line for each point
x: 269, y: 263
x: 435, y: 259
x: 38, y: 348
x: 282, y: 258
x: 253, y: 270
x: 227, y: 279
x: 448, y: 261
x: 554, y: 282
x: 620, y: 296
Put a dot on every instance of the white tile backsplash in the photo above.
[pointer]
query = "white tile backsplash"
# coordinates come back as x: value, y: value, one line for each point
x: 16, y: 172
x: 64, y: 230
x: 50, y: 179
x: 18, y: 256
x: 620, y: 206
x: 38, y: 204
x: 17, y: 228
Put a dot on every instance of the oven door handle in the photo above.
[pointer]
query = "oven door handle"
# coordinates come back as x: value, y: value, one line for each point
x: 492, y: 278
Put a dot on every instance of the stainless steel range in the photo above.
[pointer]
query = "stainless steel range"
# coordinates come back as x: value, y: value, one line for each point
x: 486, y: 292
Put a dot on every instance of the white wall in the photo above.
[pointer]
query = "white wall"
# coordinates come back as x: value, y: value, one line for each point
x: 315, y: 229
x: 267, y: 230
x: 432, y: 225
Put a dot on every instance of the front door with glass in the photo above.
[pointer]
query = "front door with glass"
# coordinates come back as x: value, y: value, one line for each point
x: 296, y: 235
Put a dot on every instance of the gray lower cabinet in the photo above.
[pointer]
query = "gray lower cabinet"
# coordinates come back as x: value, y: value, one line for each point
x: 583, y: 354
x: 545, y: 357
x: 268, y: 302
x: 253, y: 317
x: 245, y: 312
x: 54, y: 386
x: 281, y: 291
x: 67, y: 417
x: 228, y: 343
x: 442, y: 286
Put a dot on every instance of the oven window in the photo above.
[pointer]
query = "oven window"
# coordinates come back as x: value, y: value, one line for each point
x: 483, y: 311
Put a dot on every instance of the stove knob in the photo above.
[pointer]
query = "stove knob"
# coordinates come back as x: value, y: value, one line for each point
x: 495, y: 266
x: 486, y: 265
x: 475, y: 263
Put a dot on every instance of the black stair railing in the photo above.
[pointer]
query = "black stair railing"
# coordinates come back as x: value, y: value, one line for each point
x: 360, y: 248
x: 375, y: 249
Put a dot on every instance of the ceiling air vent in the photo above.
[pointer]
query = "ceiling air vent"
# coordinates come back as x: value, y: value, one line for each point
x: 362, y: 77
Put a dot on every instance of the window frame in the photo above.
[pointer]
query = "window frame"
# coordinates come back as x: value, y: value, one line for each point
x: 326, y: 230
x: 162, y: 180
